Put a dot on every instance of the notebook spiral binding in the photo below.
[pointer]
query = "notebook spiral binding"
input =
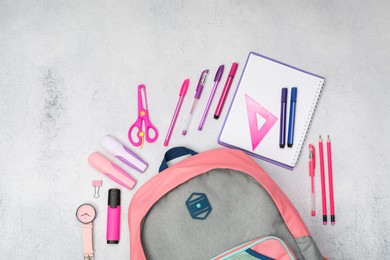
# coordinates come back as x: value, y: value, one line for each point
x: 307, y: 124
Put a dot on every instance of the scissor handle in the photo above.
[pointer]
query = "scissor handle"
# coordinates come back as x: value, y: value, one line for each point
x: 138, y: 125
x: 149, y: 128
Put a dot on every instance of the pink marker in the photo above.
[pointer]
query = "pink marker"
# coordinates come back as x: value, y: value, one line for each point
x: 113, y: 216
x: 225, y: 90
x: 182, y: 94
x: 111, y: 170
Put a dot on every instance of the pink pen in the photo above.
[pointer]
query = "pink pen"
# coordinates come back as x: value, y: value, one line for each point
x: 330, y: 176
x: 216, y: 82
x: 198, y: 93
x: 111, y: 170
x: 322, y: 171
x: 182, y: 94
x: 113, y: 216
x: 225, y: 90
x: 312, y: 167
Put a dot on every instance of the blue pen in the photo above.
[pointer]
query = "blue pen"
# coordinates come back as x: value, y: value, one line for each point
x: 291, y: 121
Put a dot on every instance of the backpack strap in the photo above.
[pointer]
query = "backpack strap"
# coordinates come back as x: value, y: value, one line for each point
x: 174, y: 153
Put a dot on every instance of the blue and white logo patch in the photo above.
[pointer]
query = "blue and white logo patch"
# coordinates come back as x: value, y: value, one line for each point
x: 198, y: 206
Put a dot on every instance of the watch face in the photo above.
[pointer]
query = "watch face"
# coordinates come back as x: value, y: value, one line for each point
x: 86, y: 213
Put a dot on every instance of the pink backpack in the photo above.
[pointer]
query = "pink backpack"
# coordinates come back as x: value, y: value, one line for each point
x: 218, y: 204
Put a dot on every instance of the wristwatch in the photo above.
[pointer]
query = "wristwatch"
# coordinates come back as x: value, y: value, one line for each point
x: 86, y: 213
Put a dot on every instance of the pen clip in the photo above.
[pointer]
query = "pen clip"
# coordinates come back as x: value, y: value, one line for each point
x: 201, y: 83
x: 202, y: 79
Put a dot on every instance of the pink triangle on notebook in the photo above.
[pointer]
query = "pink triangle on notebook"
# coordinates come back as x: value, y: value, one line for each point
x: 254, y: 109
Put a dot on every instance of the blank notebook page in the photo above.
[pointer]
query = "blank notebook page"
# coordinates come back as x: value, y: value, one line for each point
x: 261, y: 82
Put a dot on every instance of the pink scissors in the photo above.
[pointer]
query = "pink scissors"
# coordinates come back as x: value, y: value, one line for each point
x: 143, y: 116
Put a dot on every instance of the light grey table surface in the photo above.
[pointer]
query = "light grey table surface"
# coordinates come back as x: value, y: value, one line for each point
x: 68, y: 76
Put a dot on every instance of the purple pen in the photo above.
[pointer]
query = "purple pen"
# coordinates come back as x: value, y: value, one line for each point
x: 283, y: 109
x: 198, y: 93
x: 217, y: 78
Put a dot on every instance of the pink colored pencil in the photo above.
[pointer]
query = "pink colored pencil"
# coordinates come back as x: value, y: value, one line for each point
x: 322, y: 171
x: 330, y: 176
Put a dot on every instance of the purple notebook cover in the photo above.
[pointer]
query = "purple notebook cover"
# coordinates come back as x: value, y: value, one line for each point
x: 235, y: 93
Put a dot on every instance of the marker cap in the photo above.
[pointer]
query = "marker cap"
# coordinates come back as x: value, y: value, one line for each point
x: 294, y: 92
x: 233, y: 69
x: 284, y: 95
x: 114, y: 198
x: 124, y: 154
x: 111, y: 170
x: 184, y: 87
x: 219, y: 73
x: 98, y: 161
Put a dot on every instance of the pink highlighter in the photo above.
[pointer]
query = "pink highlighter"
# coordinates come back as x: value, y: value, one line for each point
x: 111, y: 170
x: 113, y: 216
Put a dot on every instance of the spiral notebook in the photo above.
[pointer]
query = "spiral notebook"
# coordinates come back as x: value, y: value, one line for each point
x: 252, y: 123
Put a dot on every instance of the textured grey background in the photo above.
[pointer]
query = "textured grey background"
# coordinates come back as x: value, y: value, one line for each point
x: 69, y: 72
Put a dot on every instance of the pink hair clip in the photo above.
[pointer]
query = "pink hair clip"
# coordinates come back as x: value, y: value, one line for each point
x: 97, y: 184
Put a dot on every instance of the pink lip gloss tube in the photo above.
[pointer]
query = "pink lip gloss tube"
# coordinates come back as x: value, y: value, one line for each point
x: 111, y: 170
x: 113, y: 216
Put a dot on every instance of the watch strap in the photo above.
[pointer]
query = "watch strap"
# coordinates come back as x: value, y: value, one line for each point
x: 87, y: 241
